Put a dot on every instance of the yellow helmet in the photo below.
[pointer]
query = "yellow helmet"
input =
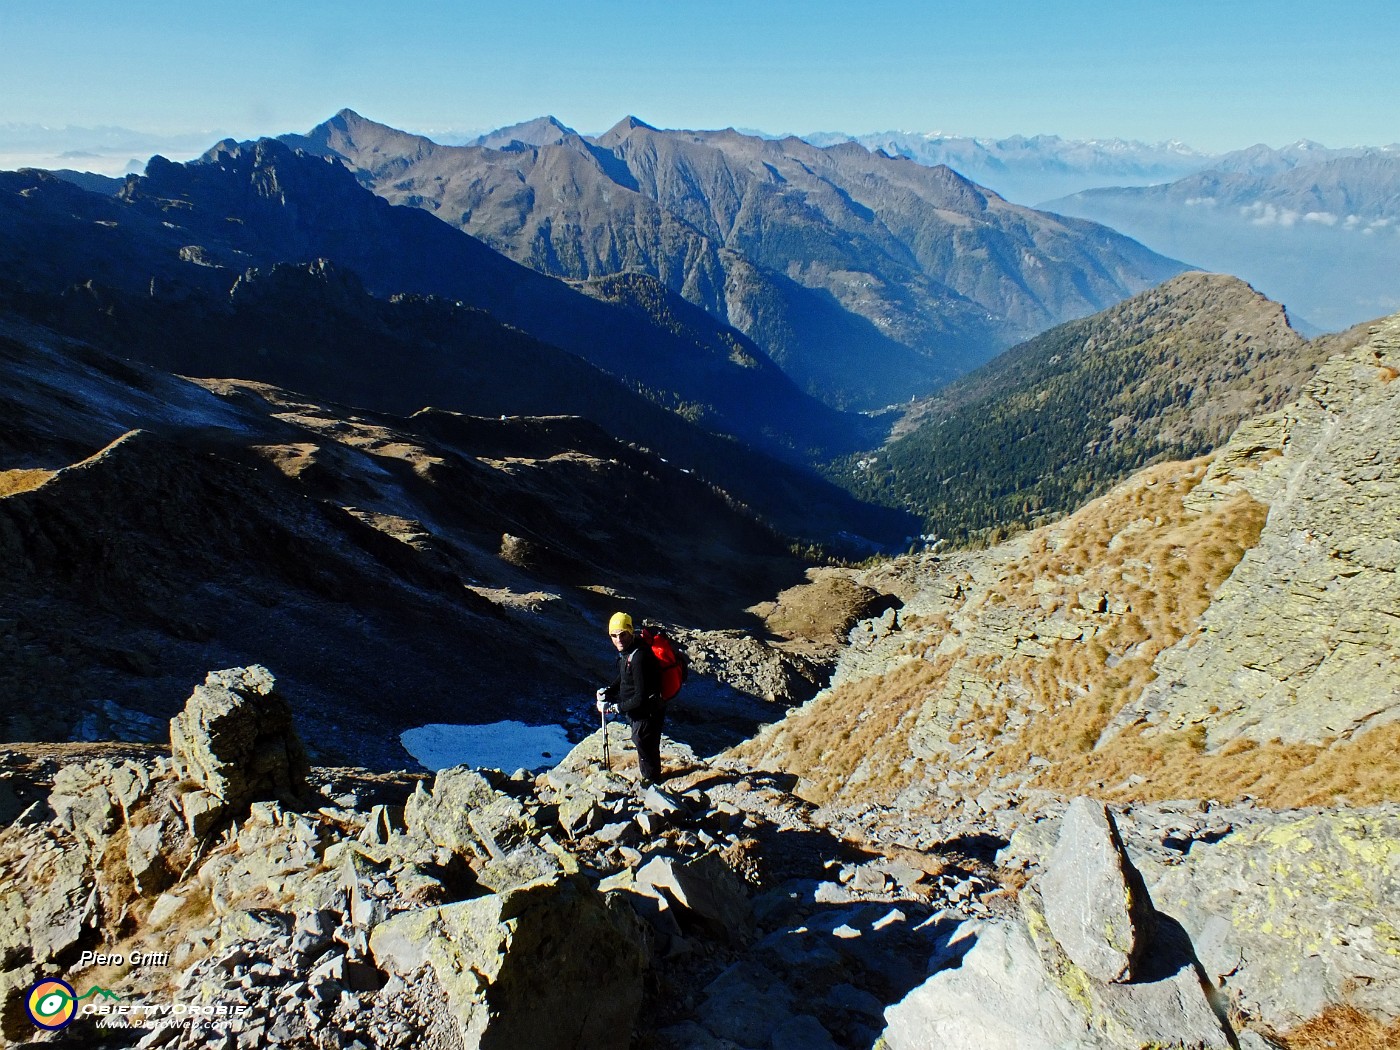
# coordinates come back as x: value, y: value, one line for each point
x: 620, y: 622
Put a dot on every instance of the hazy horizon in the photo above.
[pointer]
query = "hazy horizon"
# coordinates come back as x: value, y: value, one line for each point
x: 1214, y: 76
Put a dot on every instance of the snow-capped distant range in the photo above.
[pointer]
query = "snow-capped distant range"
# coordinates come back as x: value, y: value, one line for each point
x: 1313, y: 228
x: 1028, y: 169
x: 496, y: 745
x: 1039, y: 168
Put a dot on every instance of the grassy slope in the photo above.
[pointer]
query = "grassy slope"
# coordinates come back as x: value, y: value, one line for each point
x: 1162, y: 564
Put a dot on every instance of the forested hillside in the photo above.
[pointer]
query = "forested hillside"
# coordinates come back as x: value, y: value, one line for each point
x: 1055, y: 421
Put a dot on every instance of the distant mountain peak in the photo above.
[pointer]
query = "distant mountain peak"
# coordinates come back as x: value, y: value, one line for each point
x: 626, y: 124
x: 350, y: 129
x: 539, y: 131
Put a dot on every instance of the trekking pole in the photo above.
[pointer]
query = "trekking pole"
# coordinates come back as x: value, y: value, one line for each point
x: 607, y: 758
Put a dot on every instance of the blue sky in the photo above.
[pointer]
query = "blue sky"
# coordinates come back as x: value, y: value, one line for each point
x: 1218, y: 75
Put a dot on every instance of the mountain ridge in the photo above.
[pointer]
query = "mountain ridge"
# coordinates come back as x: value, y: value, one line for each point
x: 739, y: 225
x: 279, y: 200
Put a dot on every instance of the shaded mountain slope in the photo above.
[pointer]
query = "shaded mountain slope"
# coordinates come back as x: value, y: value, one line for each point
x: 200, y: 225
x: 314, y: 328
x: 915, y: 273
x: 90, y: 265
x: 397, y: 570
x: 1167, y: 374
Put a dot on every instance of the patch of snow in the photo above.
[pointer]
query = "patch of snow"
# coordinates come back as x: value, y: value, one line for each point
x: 496, y: 745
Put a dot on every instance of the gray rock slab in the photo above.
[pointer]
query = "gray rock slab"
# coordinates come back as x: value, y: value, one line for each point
x: 202, y: 811
x: 146, y: 849
x: 1095, y: 903
x: 523, y: 865
x: 579, y: 814
x: 443, y: 815
x: 1296, y: 910
x: 705, y: 886
x: 1000, y: 998
x: 1016, y: 990
x: 501, y: 825
x: 550, y: 965
x: 660, y: 803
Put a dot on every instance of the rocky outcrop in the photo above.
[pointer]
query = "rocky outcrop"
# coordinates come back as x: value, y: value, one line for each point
x: 1287, y: 912
x: 1085, y: 962
x: 104, y: 844
x: 1015, y: 990
x: 235, y: 739
x: 550, y: 964
x: 469, y: 909
x: 778, y: 675
x: 1295, y: 910
x: 1302, y: 643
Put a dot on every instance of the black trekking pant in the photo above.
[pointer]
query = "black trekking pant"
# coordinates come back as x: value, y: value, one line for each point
x: 646, y: 736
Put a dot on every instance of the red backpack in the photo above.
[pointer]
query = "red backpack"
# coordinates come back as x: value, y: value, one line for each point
x: 668, y: 658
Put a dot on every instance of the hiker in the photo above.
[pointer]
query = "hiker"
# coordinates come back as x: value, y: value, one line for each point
x: 636, y: 693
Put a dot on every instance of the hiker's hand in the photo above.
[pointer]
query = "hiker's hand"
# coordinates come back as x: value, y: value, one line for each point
x: 602, y: 694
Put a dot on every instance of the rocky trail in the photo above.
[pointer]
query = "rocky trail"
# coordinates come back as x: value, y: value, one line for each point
x: 343, y: 908
x: 268, y: 903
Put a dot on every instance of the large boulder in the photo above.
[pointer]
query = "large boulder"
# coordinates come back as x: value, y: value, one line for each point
x: 235, y: 739
x: 1095, y: 901
x: 551, y: 964
x: 1001, y: 998
x: 1016, y: 990
x: 443, y: 815
x: 82, y: 802
x: 705, y: 888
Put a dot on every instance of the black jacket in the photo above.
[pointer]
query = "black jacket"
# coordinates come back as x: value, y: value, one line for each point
x: 636, y: 691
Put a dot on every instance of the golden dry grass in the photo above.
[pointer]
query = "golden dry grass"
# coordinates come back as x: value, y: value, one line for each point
x: 1162, y: 567
x: 1342, y: 1028
x: 14, y: 481
x: 822, y: 610
x: 1158, y: 566
x: 826, y: 743
x: 1361, y: 771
